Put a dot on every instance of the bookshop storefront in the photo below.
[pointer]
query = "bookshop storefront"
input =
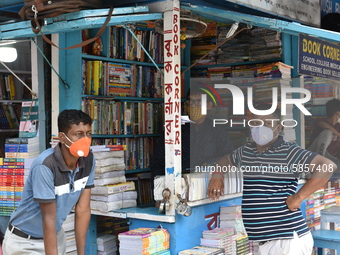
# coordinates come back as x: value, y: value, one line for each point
x: 313, y: 52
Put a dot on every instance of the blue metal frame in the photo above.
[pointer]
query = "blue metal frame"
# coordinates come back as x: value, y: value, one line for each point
x: 291, y: 28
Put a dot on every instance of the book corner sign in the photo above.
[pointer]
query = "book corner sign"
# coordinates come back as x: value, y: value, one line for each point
x: 318, y: 58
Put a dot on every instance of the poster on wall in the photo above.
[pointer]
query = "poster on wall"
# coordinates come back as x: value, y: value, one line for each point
x: 303, y: 11
x: 318, y: 58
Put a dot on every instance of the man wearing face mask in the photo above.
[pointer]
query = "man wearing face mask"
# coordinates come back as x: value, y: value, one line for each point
x: 270, y: 202
x: 325, y: 138
x: 60, y: 179
x: 202, y: 143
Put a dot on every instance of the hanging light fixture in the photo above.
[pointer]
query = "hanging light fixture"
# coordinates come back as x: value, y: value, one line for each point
x: 8, y: 54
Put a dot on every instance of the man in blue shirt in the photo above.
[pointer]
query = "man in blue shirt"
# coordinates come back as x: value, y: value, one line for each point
x: 271, y: 203
x: 60, y: 179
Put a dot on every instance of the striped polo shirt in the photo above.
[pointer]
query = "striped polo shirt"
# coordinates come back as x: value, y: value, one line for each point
x: 50, y: 180
x: 268, y: 179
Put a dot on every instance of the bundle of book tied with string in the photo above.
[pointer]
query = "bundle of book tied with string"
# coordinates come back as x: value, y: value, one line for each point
x: 144, y: 241
x: 111, y: 191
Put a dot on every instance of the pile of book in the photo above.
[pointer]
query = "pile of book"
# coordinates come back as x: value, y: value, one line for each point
x: 106, y: 245
x: 150, y: 241
x: 220, y: 238
x: 258, y: 44
x: 112, y: 225
x: 11, y: 184
x: 203, y: 250
x: 68, y: 226
x: 23, y: 147
x: 111, y: 191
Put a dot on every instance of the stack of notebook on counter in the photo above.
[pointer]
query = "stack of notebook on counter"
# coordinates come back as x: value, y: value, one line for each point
x: 111, y: 191
x: 203, y: 250
x: 106, y: 245
x: 144, y: 241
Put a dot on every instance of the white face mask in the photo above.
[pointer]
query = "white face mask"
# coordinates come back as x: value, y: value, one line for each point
x: 263, y: 135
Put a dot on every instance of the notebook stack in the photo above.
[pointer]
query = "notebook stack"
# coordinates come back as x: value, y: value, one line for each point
x: 220, y: 238
x: 111, y: 191
x: 106, y: 245
x: 203, y: 250
x: 11, y: 184
x: 144, y: 241
x: 68, y: 226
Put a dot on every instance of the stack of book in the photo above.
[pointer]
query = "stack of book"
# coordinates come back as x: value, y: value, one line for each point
x: 106, y: 245
x: 11, y: 184
x: 231, y: 217
x: 220, y: 238
x: 203, y: 250
x: 110, y: 175
x: 258, y: 44
x: 314, y: 205
x: 142, y: 241
x: 68, y: 226
x: 112, y: 225
x: 24, y: 147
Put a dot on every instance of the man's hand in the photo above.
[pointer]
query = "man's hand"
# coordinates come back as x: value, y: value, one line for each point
x: 216, y: 187
x: 293, y: 202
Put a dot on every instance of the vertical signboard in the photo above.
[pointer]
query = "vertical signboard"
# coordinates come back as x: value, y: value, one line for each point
x: 172, y: 102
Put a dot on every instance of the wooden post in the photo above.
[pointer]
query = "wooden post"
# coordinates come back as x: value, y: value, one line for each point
x: 172, y: 102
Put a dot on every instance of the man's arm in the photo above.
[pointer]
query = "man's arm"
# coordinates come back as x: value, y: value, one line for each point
x: 48, y: 212
x: 216, y: 183
x: 325, y: 125
x: 82, y: 220
x: 322, y: 169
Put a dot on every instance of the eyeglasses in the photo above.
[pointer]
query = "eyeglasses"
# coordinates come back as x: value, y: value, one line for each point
x: 191, y: 102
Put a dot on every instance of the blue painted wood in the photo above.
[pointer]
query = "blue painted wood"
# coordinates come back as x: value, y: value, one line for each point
x: 324, y: 238
x: 11, y: 2
x: 91, y: 237
x: 23, y: 29
x: 70, y: 68
x: 292, y: 28
x: 141, y: 99
x: 131, y: 62
x: 187, y: 231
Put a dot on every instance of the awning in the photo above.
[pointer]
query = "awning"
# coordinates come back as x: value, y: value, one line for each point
x: 291, y: 28
x: 86, y: 19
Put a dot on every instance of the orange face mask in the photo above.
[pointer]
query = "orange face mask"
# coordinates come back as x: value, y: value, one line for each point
x: 79, y: 148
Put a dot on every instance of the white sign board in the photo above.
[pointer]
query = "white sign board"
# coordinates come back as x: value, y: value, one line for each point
x: 303, y: 11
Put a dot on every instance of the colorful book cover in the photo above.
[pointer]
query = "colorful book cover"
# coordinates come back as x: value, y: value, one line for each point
x: 29, y: 120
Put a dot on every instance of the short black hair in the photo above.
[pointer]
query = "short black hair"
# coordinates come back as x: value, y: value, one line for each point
x: 72, y: 116
x: 332, y: 106
x: 276, y: 114
x: 199, y: 90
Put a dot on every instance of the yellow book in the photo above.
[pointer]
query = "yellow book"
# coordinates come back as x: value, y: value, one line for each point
x: 12, y: 90
x: 96, y: 77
